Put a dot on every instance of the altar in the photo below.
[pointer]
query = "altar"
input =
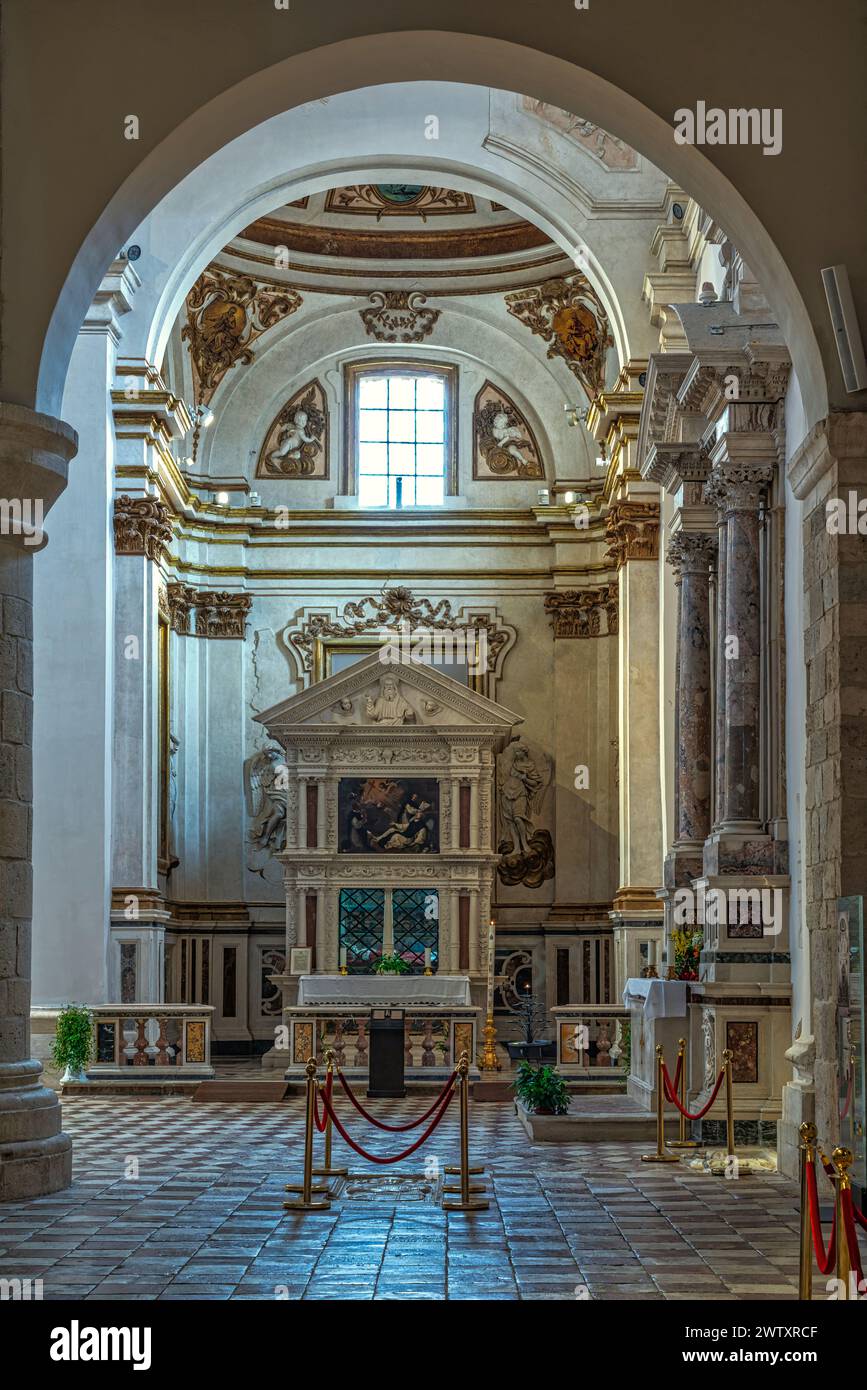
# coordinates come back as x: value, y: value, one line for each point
x: 390, y: 857
x: 334, y: 1011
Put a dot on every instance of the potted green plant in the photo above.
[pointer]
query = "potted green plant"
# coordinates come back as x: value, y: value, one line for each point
x: 72, y: 1047
x: 391, y: 965
x: 541, y: 1090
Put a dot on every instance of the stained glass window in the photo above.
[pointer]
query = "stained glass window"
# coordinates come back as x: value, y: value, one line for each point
x: 362, y: 917
x: 415, y: 918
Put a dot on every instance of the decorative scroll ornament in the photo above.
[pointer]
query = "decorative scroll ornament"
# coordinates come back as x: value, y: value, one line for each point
x: 632, y: 532
x: 385, y: 612
x: 142, y: 526
x: 296, y: 445
x: 580, y: 612
x: 217, y: 613
x: 398, y: 199
x: 226, y: 314
x: 399, y: 316
x: 526, y: 851
x: 505, y: 446
x: 571, y: 318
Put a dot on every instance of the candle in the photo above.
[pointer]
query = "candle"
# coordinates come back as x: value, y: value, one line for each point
x: 491, y: 935
x: 343, y: 958
x: 427, y: 957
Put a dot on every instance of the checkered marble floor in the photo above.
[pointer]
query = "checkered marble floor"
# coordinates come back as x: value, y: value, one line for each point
x: 175, y: 1200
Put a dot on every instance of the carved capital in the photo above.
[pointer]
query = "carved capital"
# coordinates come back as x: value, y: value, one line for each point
x: 632, y: 532
x: 738, y: 487
x: 691, y: 552
x: 583, y: 612
x: 142, y: 526
x: 217, y: 613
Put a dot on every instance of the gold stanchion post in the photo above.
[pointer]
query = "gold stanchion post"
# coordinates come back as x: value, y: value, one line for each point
x: 489, y: 1060
x: 661, y: 1155
x: 327, y: 1171
x: 681, y: 1142
x: 842, y: 1160
x: 466, y: 1201
x: 808, y: 1135
x: 309, y: 1193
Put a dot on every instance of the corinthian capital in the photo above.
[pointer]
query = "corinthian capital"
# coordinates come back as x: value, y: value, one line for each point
x: 142, y: 526
x: 738, y: 487
x: 632, y: 532
x: 691, y: 552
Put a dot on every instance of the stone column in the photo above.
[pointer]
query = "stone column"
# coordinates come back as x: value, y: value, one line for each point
x: 35, y: 1157
x: 691, y: 556
x: 742, y: 488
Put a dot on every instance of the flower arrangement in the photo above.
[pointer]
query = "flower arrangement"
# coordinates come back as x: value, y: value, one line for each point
x: 687, y: 944
x: 391, y: 965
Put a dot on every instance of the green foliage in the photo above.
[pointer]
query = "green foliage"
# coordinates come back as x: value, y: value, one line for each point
x: 541, y: 1089
x: 391, y: 965
x: 73, y: 1043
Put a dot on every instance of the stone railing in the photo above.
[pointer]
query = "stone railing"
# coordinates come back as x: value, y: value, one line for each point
x: 135, y: 1041
x: 592, y: 1040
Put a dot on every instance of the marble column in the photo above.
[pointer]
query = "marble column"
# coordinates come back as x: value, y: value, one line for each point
x: 691, y: 556
x: 742, y: 489
x: 35, y: 1156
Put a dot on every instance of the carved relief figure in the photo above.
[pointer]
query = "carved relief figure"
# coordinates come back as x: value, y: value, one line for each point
x: 568, y: 313
x: 527, y: 852
x: 296, y: 445
x: 389, y: 708
x: 505, y: 444
x: 226, y: 313
x: 265, y: 790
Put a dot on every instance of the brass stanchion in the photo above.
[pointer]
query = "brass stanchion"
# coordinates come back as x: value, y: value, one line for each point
x: 730, y: 1104
x: 808, y: 1135
x: 466, y: 1201
x: 661, y: 1155
x: 681, y: 1142
x: 842, y: 1159
x: 326, y: 1171
x: 307, y: 1190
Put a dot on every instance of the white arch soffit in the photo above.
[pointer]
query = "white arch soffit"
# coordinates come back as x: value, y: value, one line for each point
x: 353, y: 64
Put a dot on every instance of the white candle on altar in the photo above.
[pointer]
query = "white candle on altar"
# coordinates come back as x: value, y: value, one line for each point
x: 427, y: 957
x: 343, y: 958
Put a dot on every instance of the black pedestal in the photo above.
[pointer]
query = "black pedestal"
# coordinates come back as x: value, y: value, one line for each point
x: 386, y: 1055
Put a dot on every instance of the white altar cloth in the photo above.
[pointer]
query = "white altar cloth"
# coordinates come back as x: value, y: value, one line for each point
x: 394, y: 991
x: 661, y: 998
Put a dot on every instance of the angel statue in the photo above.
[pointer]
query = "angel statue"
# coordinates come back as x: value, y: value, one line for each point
x: 504, y: 442
x: 299, y: 438
x: 265, y: 791
x: 527, y: 853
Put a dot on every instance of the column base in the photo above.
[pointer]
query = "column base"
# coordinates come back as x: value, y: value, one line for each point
x: 35, y: 1155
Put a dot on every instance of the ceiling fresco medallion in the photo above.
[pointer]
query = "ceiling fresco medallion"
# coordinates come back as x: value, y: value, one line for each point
x: 505, y: 446
x: 296, y: 445
x: 570, y: 316
x: 399, y: 316
x: 226, y: 313
x: 401, y: 199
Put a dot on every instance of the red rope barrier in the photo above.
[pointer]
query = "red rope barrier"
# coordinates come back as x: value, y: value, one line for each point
x: 394, y: 1129
x: 329, y: 1086
x: 372, y: 1158
x: 848, y: 1205
x: 678, y: 1069
x: 671, y: 1095
x: 825, y: 1262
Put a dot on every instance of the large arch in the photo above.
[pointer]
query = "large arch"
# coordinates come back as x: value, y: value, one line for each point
x: 419, y: 55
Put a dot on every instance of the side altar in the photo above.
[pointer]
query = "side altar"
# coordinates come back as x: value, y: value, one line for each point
x: 390, y: 770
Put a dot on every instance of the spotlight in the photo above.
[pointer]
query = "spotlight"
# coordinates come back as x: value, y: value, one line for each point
x: 222, y: 499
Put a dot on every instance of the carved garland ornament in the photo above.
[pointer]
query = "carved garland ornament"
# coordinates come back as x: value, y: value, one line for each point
x: 579, y: 612
x: 571, y: 318
x: 632, y: 532
x: 226, y: 314
x: 142, y: 526
x: 217, y: 613
x: 383, y: 614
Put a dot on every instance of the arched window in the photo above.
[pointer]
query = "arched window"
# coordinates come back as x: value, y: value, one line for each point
x: 401, y: 442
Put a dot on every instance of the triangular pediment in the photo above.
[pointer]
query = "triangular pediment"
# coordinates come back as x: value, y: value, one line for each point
x: 386, y: 693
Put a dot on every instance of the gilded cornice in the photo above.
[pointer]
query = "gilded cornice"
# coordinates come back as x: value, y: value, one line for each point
x: 207, y: 612
x: 142, y: 526
x: 580, y: 612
